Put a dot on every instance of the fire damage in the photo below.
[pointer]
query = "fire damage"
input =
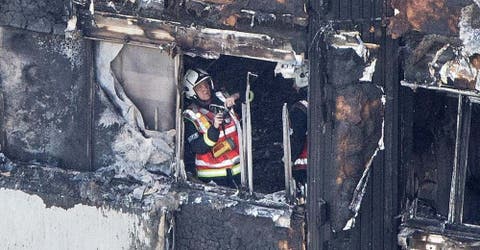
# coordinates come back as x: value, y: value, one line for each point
x: 439, y: 113
x: 92, y: 127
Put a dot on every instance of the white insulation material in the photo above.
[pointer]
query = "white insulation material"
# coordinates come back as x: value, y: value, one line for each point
x: 26, y: 223
x: 351, y: 40
x: 135, y: 146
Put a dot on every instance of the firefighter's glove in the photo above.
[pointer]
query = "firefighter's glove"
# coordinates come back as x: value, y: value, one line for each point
x: 218, y: 120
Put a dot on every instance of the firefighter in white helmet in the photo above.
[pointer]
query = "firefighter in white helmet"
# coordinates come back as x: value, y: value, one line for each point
x: 210, y: 130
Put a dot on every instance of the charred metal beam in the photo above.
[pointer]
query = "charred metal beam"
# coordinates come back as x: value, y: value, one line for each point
x: 467, y: 234
x: 201, y: 41
x: 284, y: 18
x: 414, y: 86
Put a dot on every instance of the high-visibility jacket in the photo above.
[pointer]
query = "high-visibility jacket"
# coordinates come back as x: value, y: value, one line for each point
x: 302, y: 160
x: 207, y: 165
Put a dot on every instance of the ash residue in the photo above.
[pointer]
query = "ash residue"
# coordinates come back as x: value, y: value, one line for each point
x: 61, y: 188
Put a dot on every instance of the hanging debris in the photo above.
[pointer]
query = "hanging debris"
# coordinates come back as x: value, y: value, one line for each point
x: 358, y: 123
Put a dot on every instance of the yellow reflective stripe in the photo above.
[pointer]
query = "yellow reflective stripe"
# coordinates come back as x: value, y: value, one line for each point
x: 218, y: 172
x: 236, y: 169
x: 207, y: 140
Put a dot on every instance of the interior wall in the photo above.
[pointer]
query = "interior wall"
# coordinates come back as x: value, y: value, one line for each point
x: 147, y: 76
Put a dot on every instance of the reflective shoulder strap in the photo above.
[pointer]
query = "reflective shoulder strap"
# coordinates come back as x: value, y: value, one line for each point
x: 201, y: 123
x: 304, y: 103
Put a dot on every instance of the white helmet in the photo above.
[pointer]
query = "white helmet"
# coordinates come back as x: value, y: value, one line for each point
x: 192, y: 78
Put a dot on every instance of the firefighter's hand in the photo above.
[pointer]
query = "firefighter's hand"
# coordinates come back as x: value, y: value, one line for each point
x: 218, y: 120
x: 230, y: 101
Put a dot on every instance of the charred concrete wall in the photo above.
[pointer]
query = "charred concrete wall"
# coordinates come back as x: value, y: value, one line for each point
x: 215, y: 222
x: 50, y: 208
x: 45, y: 85
x: 104, y: 210
x: 64, y: 105
x: 40, y: 16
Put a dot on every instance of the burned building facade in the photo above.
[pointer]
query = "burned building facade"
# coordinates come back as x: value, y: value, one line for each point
x: 92, y: 143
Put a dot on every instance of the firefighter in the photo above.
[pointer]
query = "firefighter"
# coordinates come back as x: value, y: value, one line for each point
x: 210, y: 130
x: 298, y: 138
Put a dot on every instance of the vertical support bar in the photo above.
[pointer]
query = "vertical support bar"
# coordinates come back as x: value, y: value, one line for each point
x: 155, y: 117
x: 452, y: 216
x: 391, y: 140
x: 457, y: 190
x: 287, y: 159
x: 242, y: 140
x: 248, y: 132
x: 179, y: 167
x: 91, y: 103
x: 319, y: 142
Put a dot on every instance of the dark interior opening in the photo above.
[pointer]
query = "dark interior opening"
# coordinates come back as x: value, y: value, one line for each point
x: 270, y: 93
x: 429, y: 151
x: 471, y: 206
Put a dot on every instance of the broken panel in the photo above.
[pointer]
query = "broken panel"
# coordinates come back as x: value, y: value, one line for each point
x: 147, y: 77
x: 121, y: 140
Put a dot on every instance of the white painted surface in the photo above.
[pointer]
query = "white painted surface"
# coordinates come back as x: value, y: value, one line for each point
x: 26, y: 223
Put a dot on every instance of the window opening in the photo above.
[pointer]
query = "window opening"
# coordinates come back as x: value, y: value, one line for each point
x: 444, y: 142
x: 268, y: 94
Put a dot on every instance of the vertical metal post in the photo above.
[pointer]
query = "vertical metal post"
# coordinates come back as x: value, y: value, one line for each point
x: 287, y: 158
x: 248, y: 132
x: 155, y: 117
x: 179, y: 167
x: 242, y: 140
x: 457, y: 190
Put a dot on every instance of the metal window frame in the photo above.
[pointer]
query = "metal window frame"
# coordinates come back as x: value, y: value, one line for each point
x: 466, y: 99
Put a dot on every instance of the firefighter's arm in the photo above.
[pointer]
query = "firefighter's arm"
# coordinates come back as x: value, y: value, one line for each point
x: 200, y: 143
